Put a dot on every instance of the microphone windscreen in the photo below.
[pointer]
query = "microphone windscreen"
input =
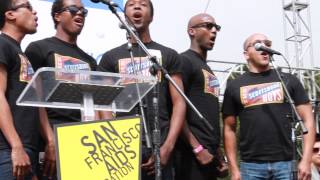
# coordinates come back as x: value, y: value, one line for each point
x: 258, y: 46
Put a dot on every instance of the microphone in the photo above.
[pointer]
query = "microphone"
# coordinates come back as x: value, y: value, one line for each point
x: 261, y: 47
x: 107, y: 2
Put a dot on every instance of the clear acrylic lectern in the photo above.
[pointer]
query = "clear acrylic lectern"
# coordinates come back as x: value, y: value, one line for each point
x: 85, y: 90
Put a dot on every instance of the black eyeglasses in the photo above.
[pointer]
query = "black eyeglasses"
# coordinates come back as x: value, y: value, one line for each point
x: 316, y: 150
x: 74, y: 10
x: 23, y: 5
x: 266, y: 42
x: 208, y: 26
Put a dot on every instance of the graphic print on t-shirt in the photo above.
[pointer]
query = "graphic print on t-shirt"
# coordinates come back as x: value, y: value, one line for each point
x: 259, y: 94
x: 141, y: 66
x: 70, y: 63
x: 211, y: 83
x: 26, y: 70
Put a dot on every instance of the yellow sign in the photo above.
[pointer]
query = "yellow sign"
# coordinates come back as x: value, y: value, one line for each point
x: 99, y: 150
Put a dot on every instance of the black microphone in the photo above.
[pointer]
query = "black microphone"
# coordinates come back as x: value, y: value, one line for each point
x: 107, y: 2
x: 261, y: 47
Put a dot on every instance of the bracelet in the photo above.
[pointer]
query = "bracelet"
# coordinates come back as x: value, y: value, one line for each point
x: 198, y: 149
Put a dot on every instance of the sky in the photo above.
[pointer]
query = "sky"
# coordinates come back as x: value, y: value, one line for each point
x: 238, y: 19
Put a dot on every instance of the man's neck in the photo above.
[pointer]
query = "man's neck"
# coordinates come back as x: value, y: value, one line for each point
x: 201, y: 52
x: 66, y: 37
x: 254, y: 69
x: 14, y: 33
x: 144, y: 37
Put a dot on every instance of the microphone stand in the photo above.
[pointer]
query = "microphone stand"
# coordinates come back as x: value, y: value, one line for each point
x: 146, y: 130
x: 156, y: 67
x: 295, y: 119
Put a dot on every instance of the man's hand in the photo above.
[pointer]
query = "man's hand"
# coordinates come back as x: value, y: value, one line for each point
x: 304, y: 170
x: 165, y: 153
x: 204, y: 157
x: 149, y: 165
x: 49, y: 161
x: 20, y: 162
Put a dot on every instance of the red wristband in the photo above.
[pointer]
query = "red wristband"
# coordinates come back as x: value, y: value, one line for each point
x: 198, y: 149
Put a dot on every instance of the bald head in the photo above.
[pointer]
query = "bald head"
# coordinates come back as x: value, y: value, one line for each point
x: 252, y: 38
x: 200, y: 18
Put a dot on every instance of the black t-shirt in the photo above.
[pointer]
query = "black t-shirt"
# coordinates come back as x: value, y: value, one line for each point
x: 118, y: 60
x: 202, y: 88
x: 19, y: 72
x: 53, y: 52
x: 259, y: 101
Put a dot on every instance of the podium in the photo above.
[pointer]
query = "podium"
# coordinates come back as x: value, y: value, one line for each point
x: 85, y: 90
x: 116, y: 153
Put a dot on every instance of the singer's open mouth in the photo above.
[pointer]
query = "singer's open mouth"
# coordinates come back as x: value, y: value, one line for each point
x: 79, y: 21
x: 137, y: 15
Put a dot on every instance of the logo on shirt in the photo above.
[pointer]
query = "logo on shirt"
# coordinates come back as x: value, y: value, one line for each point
x: 70, y: 64
x: 259, y: 94
x: 26, y: 70
x: 211, y: 83
x: 139, y: 66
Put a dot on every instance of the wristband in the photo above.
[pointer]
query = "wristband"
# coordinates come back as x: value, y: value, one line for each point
x: 198, y: 149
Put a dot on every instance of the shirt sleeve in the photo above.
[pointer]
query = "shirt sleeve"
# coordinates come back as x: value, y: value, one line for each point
x: 106, y: 64
x: 229, y: 105
x: 187, y: 72
x: 4, y: 55
x: 297, y: 92
x: 33, y: 52
x: 174, y: 64
x: 93, y: 64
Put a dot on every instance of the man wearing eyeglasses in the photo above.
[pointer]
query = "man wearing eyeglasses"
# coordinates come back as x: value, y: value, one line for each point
x: 62, y: 51
x: 171, y: 104
x: 19, y: 125
x: 198, y: 151
x: 257, y: 98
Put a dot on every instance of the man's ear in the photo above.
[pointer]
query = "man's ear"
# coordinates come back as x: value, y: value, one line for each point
x: 10, y: 16
x: 57, y: 17
x: 246, y: 55
x: 191, y: 31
